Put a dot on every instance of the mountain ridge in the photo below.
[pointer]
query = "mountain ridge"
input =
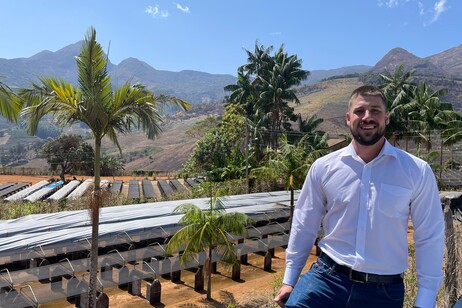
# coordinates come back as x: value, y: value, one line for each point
x: 440, y: 70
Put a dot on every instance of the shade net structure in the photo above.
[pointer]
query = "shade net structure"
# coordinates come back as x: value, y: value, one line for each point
x: 27, y: 191
x: 81, y: 189
x: 164, y: 187
x: 53, y: 248
x: 148, y: 189
x: 133, y: 189
x: 177, y: 185
x: 64, y: 191
x: 44, y: 191
x: 7, y: 191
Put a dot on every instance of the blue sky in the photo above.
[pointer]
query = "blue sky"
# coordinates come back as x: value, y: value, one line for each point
x: 210, y: 35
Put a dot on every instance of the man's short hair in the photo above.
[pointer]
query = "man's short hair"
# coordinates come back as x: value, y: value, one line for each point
x: 367, y: 90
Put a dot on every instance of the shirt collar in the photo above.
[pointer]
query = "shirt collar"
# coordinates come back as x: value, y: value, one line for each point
x: 387, y: 150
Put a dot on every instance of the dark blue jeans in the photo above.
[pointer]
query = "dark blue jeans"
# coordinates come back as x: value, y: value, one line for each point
x: 322, y: 287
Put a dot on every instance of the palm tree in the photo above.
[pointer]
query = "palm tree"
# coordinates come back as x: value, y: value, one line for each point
x: 398, y: 89
x: 105, y: 111
x: 292, y: 162
x: 242, y: 93
x: 207, y: 230
x: 278, y: 84
x: 429, y: 112
x: 259, y: 61
x: 452, y: 133
x: 9, y: 103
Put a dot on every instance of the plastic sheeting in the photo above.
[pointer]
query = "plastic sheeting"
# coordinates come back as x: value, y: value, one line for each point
x: 37, y: 230
x: 27, y: 191
x: 64, y: 191
x: 44, y: 191
x: 81, y: 189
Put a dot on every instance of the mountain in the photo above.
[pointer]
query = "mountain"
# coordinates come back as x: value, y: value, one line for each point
x: 398, y: 56
x: 318, y: 75
x: 442, y: 70
x: 450, y: 61
x: 194, y: 86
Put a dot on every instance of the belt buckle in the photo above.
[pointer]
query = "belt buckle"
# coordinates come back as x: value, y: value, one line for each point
x: 350, y: 276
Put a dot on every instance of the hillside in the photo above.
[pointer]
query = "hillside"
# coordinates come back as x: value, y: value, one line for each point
x: 326, y: 99
x: 442, y: 70
x: 319, y: 95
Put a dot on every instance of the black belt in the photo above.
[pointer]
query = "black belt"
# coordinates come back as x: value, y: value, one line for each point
x: 359, y: 276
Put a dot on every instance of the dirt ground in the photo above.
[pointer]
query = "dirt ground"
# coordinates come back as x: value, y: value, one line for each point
x: 255, y: 289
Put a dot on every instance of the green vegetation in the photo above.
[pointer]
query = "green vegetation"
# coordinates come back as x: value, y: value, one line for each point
x: 69, y: 154
x: 9, y: 103
x: 205, y: 231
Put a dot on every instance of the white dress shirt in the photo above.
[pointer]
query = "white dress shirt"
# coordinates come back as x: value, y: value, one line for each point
x: 365, y: 209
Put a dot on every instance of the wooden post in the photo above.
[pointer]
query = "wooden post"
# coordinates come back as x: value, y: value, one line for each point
x: 236, y: 272
x: 268, y: 261
x: 153, y: 292
x: 44, y: 271
x: 176, y: 271
x: 450, y: 277
x: 124, y: 272
x: 214, y: 268
x: 71, y: 287
x: 243, y: 258
x: 199, y: 279
x: 134, y: 286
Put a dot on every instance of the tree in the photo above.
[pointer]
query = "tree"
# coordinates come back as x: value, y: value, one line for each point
x: 429, y: 112
x: 292, y: 162
x: 210, y: 153
x: 17, y: 151
x: 242, y: 93
x: 105, y: 111
x: 10, y: 104
x: 399, y: 90
x: 205, y: 231
x: 110, y: 165
x: 278, y: 88
x: 265, y: 87
x: 69, y: 153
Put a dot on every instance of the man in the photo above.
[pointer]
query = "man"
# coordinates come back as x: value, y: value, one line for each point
x: 364, y: 195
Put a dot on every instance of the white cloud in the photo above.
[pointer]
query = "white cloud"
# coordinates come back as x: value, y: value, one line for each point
x: 154, y: 11
x: 388, y: 3
x: 421, y: 9
x: 392, y: 3
x: 439, y: 7
x: 184, y: 9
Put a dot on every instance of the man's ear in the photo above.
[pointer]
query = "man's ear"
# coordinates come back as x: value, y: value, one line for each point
x: 347, y: 117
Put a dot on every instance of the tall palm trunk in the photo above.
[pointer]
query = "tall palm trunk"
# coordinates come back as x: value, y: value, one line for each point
x: 95, y: 205
x: 208, y: 269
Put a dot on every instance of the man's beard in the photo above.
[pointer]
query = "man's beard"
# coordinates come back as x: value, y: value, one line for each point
x: 367, y: 140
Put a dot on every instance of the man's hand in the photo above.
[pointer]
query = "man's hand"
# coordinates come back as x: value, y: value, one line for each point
x: 283, y: 295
